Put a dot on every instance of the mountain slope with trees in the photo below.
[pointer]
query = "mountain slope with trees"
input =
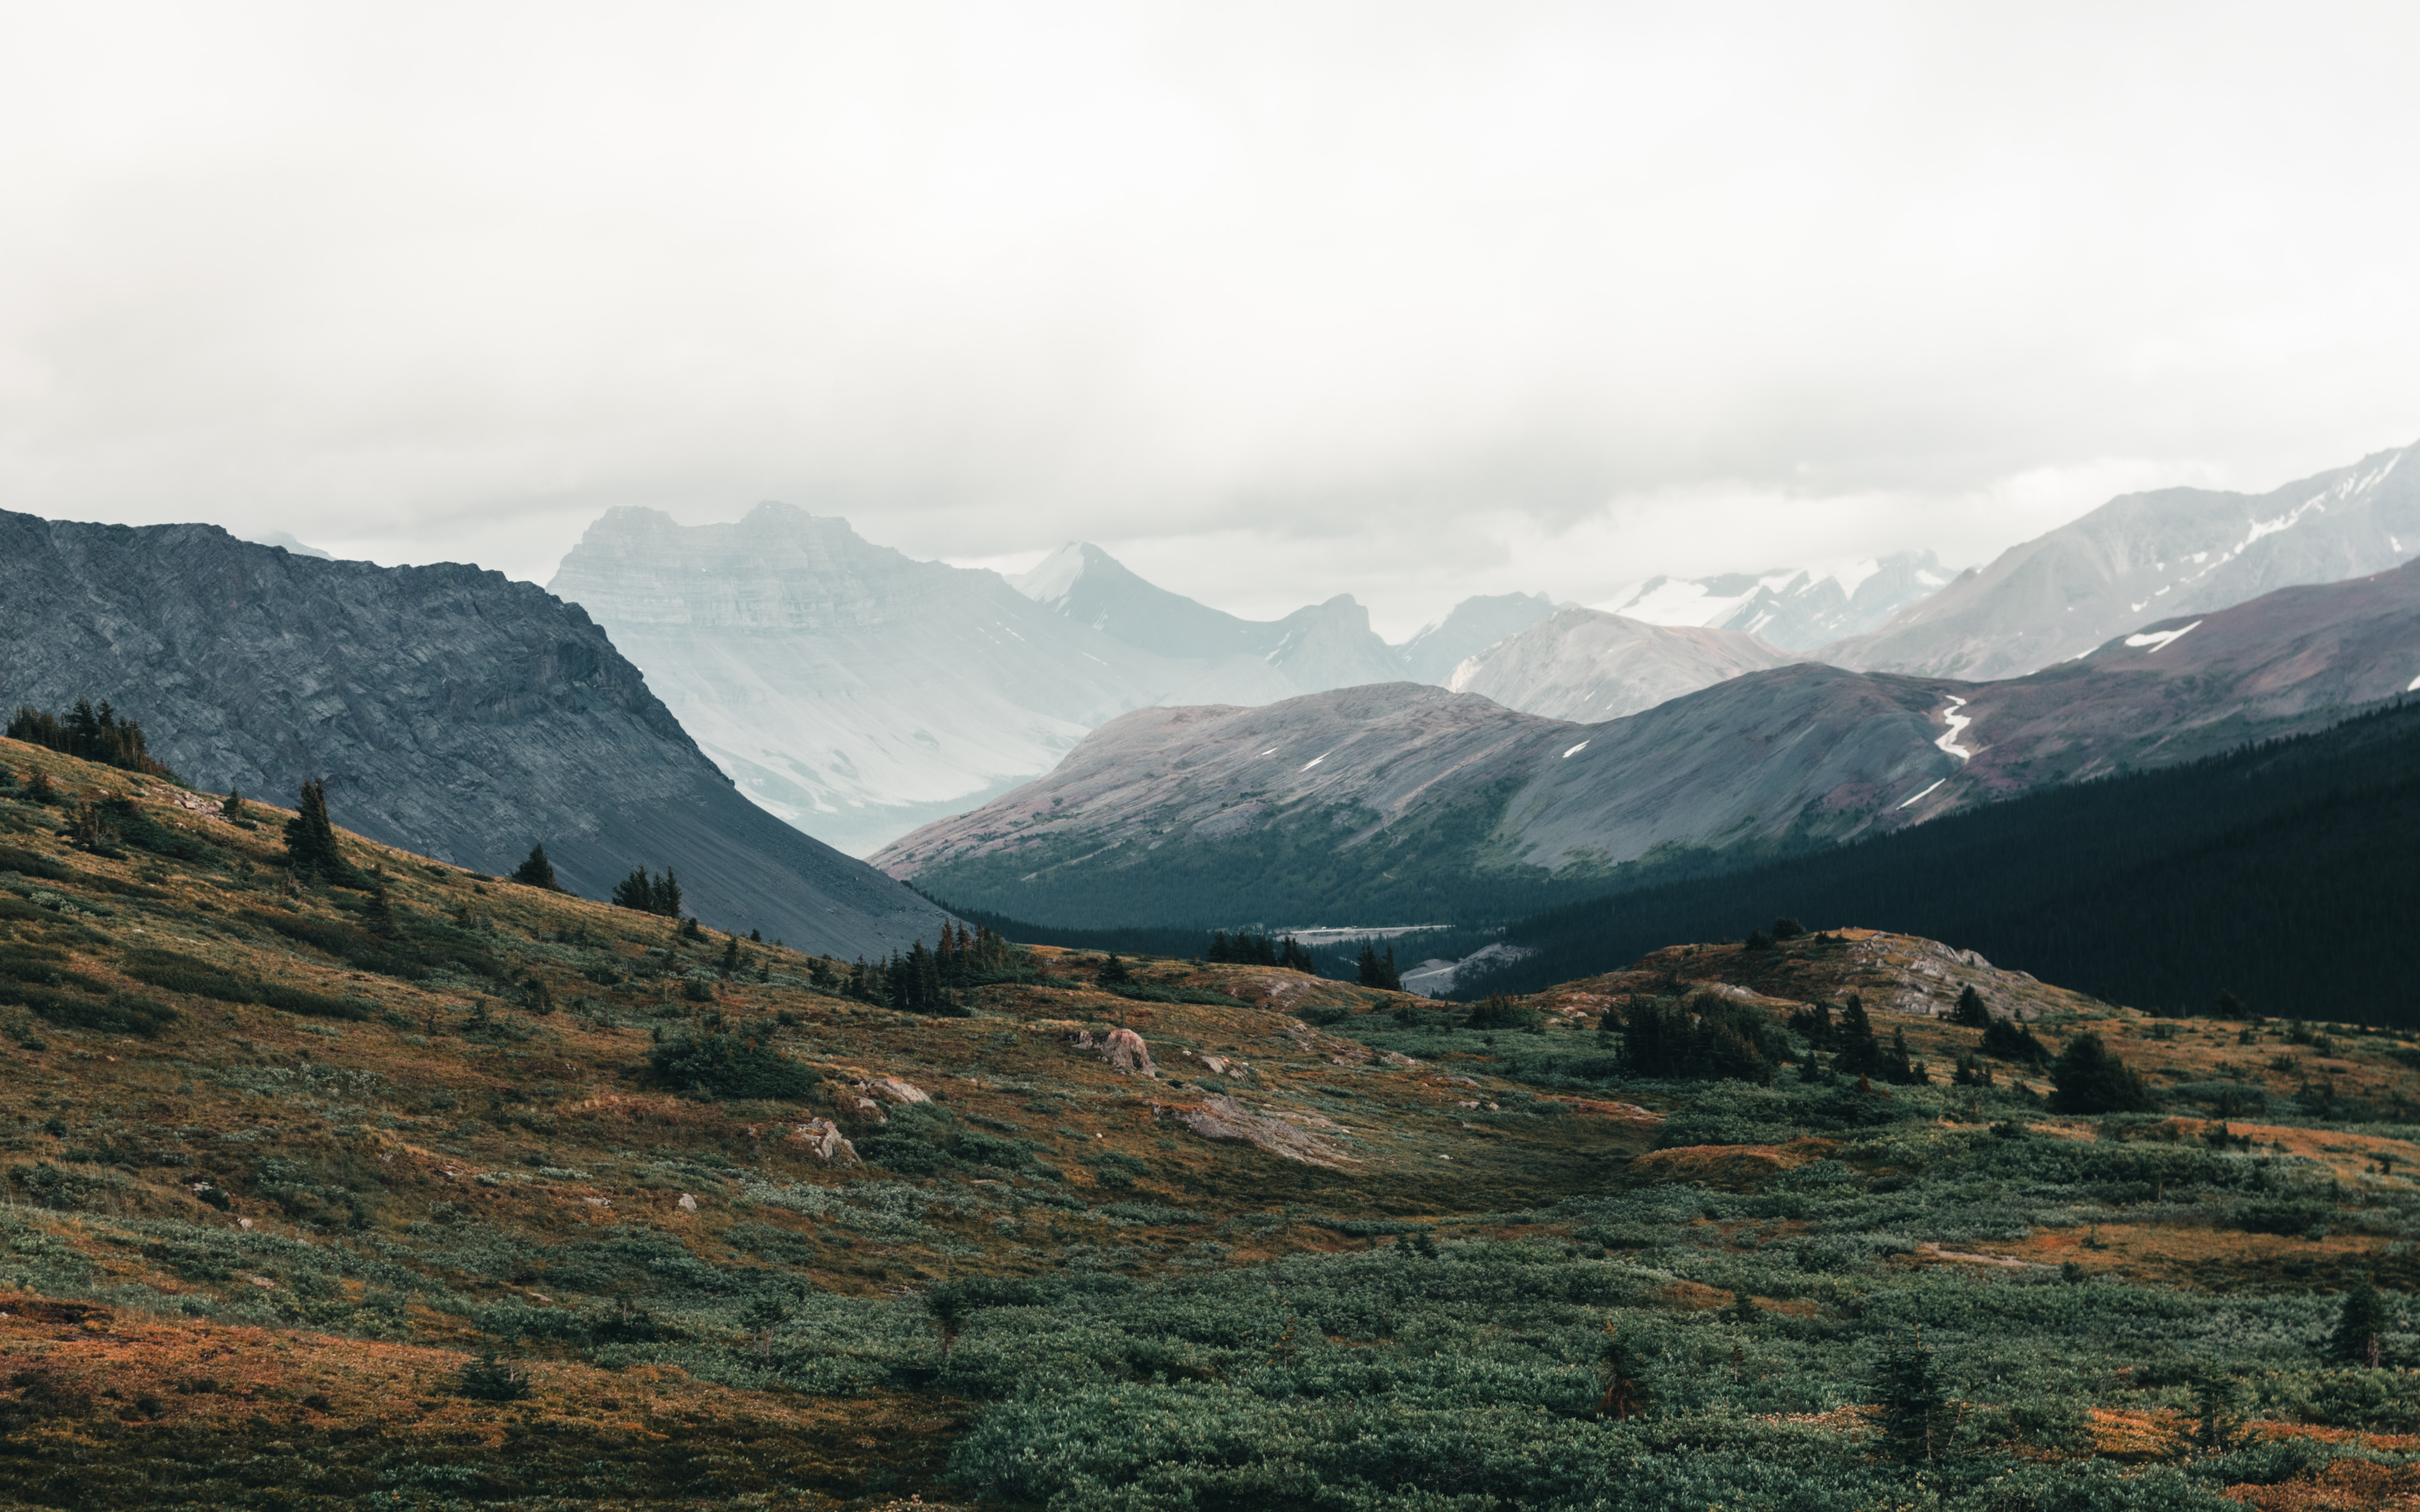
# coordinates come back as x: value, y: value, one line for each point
x: 2278, y: 874
x: 448, y: 711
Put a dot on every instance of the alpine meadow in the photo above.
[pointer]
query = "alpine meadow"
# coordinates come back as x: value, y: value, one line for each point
x: 1193, y: 758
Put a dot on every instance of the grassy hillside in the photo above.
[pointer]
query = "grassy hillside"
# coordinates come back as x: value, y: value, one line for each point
x: 285, y: 1164
x: 2279, y: 873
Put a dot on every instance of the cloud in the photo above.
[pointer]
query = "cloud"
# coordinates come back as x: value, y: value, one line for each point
x: 1276, y: 300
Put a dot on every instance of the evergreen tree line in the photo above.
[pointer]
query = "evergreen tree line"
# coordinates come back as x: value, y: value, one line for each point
x: 1248, y: 950
x: 2278, y: 875
x: 1173, y: 942
x: 1371, y: 969
x: 645, y: 894
x: 1707, y: 1036
x: 89, y: 735
x: 930, y: 981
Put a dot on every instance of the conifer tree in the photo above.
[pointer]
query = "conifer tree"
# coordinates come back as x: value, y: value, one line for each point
x: 1858, y: 1050
x: 233, y: 806
x: 1113, y: 971
x: 1914, y: 1408
x: 1897, y: 1068
x: 1220, y: 950
x: 667, y: 891
x: 635, y: 891
x: 1375, y: 970
x: 1617, y: 1370
x: 380, y: 911
x: 537, y: 871
x: 1294, y: 958
x: 2091, y: 1080
x: 1970, y: 1011
x: 2359, y: 1324
x: 311, y: 841
x: 2007, y: 1040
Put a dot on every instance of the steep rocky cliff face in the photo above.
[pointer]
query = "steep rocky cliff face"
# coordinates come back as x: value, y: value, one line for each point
x: 451, y: 712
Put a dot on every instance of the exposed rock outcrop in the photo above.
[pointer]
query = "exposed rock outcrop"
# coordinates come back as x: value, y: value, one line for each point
x: 1223, y: 1118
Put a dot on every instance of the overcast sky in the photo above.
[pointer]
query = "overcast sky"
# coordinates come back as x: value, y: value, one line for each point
x: 1274, y: 301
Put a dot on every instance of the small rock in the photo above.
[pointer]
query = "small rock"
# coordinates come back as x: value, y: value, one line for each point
x: 824, y: 1137
x: 1125, y: 1050
x: 688, y: 1203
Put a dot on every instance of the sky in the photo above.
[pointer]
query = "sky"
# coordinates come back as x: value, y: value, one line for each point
x: 1274, y: 301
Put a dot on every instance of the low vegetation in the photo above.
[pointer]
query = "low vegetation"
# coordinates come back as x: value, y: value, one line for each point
x: 380, y: 1184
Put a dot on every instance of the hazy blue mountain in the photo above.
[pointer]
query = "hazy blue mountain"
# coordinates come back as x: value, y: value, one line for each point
x: 451, y: 712
x: 1325, y: 645
x: 856, y: 691
x: 285, y: 541
x: 1475, y: 623
x: 2148, y: 557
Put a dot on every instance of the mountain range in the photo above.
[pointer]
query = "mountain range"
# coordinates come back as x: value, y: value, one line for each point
x: 1324, y: 647
x: 2149, y: 557
x: 1423, y: 802
x: 858, y: 692
x: 450, y: 711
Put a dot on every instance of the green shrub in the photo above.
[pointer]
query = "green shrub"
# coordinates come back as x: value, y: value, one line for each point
x: 2091, y: 1080
x: 725, y: 1064
x: 489, y: 1378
